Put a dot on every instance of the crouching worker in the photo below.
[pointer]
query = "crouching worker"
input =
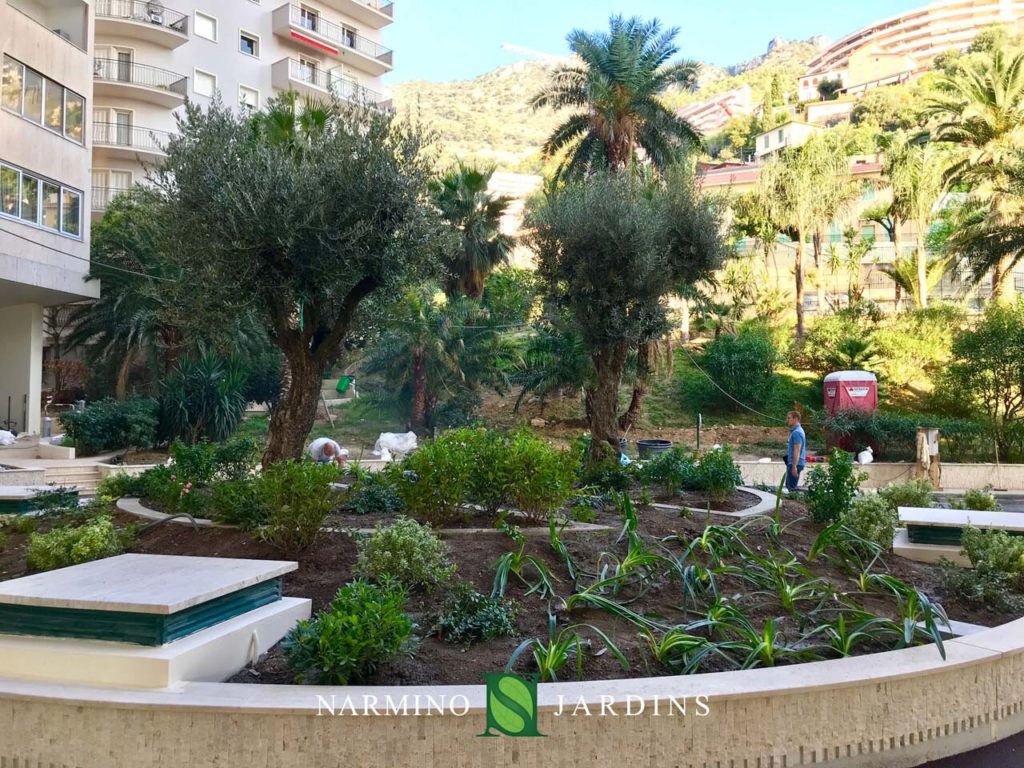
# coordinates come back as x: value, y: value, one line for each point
x: 796, y: 453
x: 323, y: 450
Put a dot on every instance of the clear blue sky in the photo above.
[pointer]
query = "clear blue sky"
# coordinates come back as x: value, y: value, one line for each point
x: 460, y: 39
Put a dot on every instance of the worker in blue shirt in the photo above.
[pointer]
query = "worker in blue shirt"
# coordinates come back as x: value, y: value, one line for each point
x: 796, y: 454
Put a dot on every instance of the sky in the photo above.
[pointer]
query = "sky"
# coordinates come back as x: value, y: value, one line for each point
x: 459, y: 39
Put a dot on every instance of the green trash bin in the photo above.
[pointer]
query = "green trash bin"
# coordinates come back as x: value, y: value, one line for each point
x: 343, y: 384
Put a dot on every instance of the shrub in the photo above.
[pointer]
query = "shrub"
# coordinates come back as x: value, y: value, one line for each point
x: 831, y: 488
x: 236, y: 459
x: 405, y: 551
x: 986, y: 588
x: 203, y: 398
x: 980, y: 499
x: 468, y: 616
x: 820, y: 344
x: 111, y: 424
x: 435, y: 480
x: 894, y: 435
x: 873, y: 517
x: 238, y: 502
x: 66, y: 546
x: 510, y: 294
x: 202, y: 462
x: 674, y: 469
x: 375, y: 493
x: 161, y: 484
x: 996, y: 552
x: 717, y: 474
x: 20, y: 524
x: 914, y: 493
x: 364, y: 626
x: 121, y: 484
x: 913, y: 347
x: 3, y: 541
x: 538, y: 478
x: 298, y: 496
x: 745, y: 365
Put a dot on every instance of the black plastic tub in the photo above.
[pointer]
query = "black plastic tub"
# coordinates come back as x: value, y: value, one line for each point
x: 648, y: 449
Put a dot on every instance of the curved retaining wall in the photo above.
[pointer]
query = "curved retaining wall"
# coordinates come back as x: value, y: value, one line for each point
x: 896, y: 710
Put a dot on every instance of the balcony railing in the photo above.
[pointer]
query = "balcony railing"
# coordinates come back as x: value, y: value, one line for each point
x: 147, y: 12
x: 339, y: 35
x: 129, y: 137
x: 331, y: 83
x: 128, y: 72
x: 102, y: 196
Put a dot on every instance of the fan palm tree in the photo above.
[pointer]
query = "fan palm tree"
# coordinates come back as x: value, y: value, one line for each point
x: 904, y: 273
x: 462, y: 197
x: 614, y: 91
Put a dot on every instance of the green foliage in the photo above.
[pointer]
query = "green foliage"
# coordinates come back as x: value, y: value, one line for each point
x: 3, y: 541
x: 69, y: 545
x: 20, y: 524
x: 996, y: 552
x: 537, y: 478
x: 874, y: 518
x: 555, y: 361
x: 893, y: 108
x: 468, y: 616
x: 238, y: 502
x: 435, y: 480
x: 263, y: 379
x: 561, y: 647
x: 894, y: 435
x: 161, y: 484
x: 914, y: 347
x: 510, y: 294
x: 717, y: 474
x: 745, y: 365
x: 204, y: 398
x: 299, y: 496
x: 674, y: 470
x: 407, y: 552
x: 119, y: 485
x: 991, y: 590
x: 913, y: 493
x: 374, y: 493
x: 827, y: 333
x: 980, y: 499
x: 831, y: 488
x: 112, y: 424
x: 364, y: 627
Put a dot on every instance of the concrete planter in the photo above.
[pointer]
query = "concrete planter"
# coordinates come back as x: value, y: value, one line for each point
x: 22, y: 476
x: 106, y: 470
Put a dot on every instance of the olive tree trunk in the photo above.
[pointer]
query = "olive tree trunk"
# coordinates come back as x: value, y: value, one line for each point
x: 602, y: 401
x: 292, y: 420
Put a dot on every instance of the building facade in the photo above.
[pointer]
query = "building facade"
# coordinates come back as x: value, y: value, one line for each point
x: 46, y: 94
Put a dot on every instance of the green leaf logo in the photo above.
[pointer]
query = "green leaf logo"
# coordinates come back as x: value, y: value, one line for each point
x: 511, y: 705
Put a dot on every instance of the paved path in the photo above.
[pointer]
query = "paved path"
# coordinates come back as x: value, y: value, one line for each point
x: 1008, y: 753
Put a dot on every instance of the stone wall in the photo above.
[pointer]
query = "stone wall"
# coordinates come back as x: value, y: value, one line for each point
x: 1004, y: 477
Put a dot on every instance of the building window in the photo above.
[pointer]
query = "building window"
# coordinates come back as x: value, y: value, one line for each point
x: 309, y: 19
x: 867, y: 232
x: 41, y: 100
x: 204, y: 83
x: 308, y: 70
x: 767, y: 141
x: 781, y: 136
x: 249, y: 44
x: 248, y: 98
x: 206, y: 26
x: 39, y: 202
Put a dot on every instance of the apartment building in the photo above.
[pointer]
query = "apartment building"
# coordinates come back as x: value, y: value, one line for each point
x: 151, y: 56
x: 46, y: 92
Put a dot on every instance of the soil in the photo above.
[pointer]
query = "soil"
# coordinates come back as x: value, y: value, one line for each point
x: 329, y: 564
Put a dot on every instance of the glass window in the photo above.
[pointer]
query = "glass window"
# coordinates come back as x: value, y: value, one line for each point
x: 74, y: 106
x: 206, y: 26
x: 308, y: 18
x: 204, y: 83
x: 248, y: 98
x: 51, y: 205
x: 249, y: 44
x: 33, y: 96
x: 29, y: 198
x: 12, y: 78
x: 53, y: 115
x: 71, y: 213
x: 9, y: 190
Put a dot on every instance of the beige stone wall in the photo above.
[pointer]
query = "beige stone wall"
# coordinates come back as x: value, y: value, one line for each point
x: 1002, y: 477
x: 896, y: 710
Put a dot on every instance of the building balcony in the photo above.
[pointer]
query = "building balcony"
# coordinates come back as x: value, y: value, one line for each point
x: 102, y: 197
x: 117, y: 79
x: 315, y: 33
x: 128, y: 141
x: 374, y: 14
x: 291, y: 75
x: 141, y: 20
x: 68, y: 19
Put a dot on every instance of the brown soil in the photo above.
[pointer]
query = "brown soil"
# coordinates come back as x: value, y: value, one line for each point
x: 736, y: 502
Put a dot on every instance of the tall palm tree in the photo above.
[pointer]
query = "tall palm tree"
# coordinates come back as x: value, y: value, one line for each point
x: 979, y: 110
x: 905, y: 273
x: 615, y: 91
x: 462, y: 197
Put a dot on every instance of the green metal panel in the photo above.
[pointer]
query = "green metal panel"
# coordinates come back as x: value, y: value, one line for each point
x: 64, y: 498
x: 935, y: 535
x: 138, y: 628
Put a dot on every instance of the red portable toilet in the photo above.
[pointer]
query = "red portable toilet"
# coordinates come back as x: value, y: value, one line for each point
x: 851, y: 391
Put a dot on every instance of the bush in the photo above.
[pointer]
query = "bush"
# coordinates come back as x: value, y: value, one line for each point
x: 992, y: 590
x: 66, y: 546
x: 744, y: 364
x: 202, y: 462
x: 203, y: 398
x: 374, y: 493
x: 435, y: 480
x: 121, y: 484
x: 20, y: 524
x: 468, y: 616
x: 674, y: 469
x: 3, y: 541
x: 161, y: 485
x: 538, y: 478
x: 510, y: 294
x: 914, y: 493
x: 831, y: 488
x: 873, y: 517
x: 894, y: 435
x: 996, y: 552
x: 980, y: 499
x: 826, y: 335
x: 364, y: 626
x: 298, y: 496
x: 717, y: 474
x: 111, y: 425
x: 914, y: 347
x: 238, y: 502
x: 405, y: 551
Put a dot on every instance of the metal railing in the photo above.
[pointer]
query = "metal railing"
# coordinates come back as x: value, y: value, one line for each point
x: 339, y: 35
x: 102, y: 196
x: 119, y: 71
x: 129, y: 136
x: 331, y: 83
x: 146, y: 12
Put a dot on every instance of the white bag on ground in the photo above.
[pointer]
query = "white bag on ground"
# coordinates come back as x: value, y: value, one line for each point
x: 6, y: 438
x: 866, y: 456
x: 397, y: 443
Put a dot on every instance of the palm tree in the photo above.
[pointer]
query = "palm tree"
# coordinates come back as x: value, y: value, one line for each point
x: 904, y: 272
x: 462, y: 197
x: 615, y: 90
x: 979, y: 110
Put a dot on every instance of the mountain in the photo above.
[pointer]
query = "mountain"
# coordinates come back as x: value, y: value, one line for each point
x: 489, y: 118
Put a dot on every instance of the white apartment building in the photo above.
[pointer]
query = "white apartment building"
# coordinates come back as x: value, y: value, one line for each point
x: 46, y: 92
x: 150, y: 56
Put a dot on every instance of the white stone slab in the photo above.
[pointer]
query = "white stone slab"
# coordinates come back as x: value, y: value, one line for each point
x: 159, y: 584
x: 959, y: 518
x: 927, y: 553
x: 211, y: 655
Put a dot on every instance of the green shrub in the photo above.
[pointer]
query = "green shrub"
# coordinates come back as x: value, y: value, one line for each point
x: 831, y: 488
x: 112, y: 424
x: 203, y: 398
x: 161, y: 484
x: 66, y: 546
x: 745, y: 365
x: 894, y: 435
x: 817, y: 353
x: 3, y: 541
x: 434, y: 482
x: 238, y: 502
x: 374, y: 493
x: 511, y: 293
x: 980, y: 499
x: 364, y: 626
x: 119, y: 485
x: 237, y: 458
x: 914, y: 493
x: 717, y: 474
x: 538, y: 477
x: 994, y: 591
x: 913, y: 347
x: 996, y: 552
x: 468, y: 616
x: 298, y: 496
x: 20, y: 524
x: 196, y: 463
x: 405, y: 551
x: 873, y: 517
x: 674, y: 469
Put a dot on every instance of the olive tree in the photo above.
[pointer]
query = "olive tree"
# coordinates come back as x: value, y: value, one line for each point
x: 299, y: 214
x: 611, y: 250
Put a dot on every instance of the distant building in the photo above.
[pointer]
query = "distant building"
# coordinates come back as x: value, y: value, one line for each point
x: 711, y: 115
x: 898, y: 48
x: 791, y: 134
